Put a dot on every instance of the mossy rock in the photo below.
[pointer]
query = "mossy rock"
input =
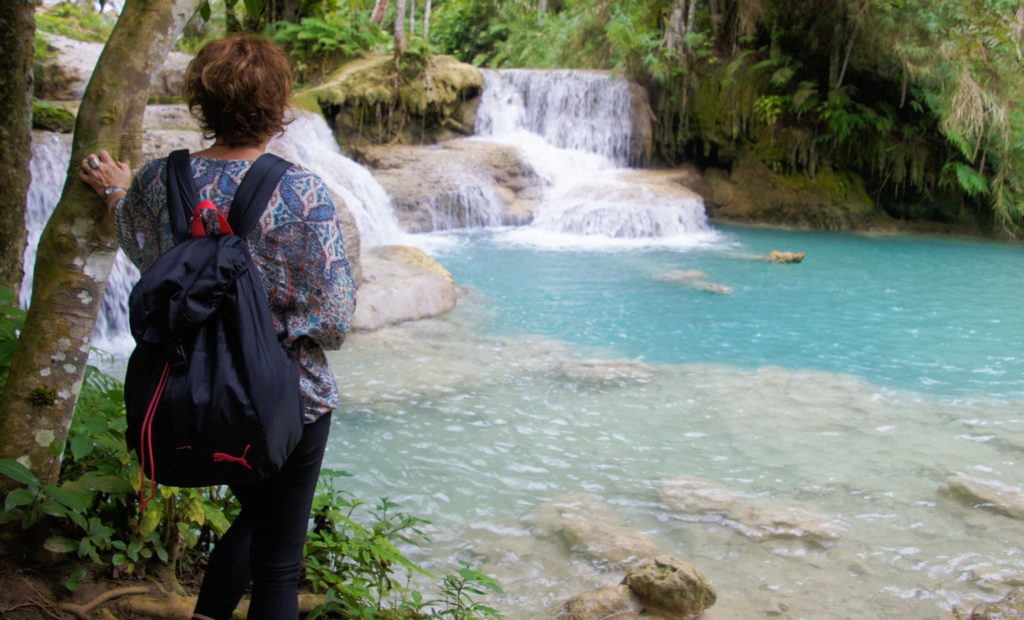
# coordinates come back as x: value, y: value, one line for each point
x: 369, y: 100
x: 753, y: 192
x: 51, y: 118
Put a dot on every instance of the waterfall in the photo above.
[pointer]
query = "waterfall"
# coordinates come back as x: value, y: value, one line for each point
x: 308, y: 141
x: 574, y: 129
x: 576, y: 110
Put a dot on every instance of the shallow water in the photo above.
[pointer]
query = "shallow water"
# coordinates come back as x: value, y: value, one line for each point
x: 855, y: 383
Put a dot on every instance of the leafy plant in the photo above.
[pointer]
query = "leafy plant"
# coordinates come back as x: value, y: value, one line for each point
x: 318, y: 44
x: 355, y: 563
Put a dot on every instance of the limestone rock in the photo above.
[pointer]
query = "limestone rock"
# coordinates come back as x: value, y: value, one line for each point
x: 78, y: 58
x: 415, y: 257
x: 752, y: 192
x: 364, y: 106
x: 1009, y: 607
x: 617, y: 602
x: 395, y: 291
x: 758, y: 519
x: 456, y: 184
x: 783, y: 257
x: 695, y: 279
x: 608, y: 371
x: 670, y: 587
x: 990, y: 494
x: 589, y: 525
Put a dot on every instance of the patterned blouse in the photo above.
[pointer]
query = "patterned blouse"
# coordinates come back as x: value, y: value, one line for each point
x: 297, y: 247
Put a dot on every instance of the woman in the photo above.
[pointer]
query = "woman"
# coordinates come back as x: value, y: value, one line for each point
x: 238, y: 88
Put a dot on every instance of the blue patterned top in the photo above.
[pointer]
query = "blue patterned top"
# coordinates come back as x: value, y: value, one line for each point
x: 297, y: 247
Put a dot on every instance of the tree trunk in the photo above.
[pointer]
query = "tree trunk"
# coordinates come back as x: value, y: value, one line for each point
x: 426, y: 21
x: 412, y: 19
x: 380, y: 10
x: 77, y: 246
x: 691, y: 20
x: 399, y: 29
x: 17, y: 27
x: 675, y: 29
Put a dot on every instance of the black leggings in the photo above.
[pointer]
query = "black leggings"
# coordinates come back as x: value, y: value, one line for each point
x: 265, y: 543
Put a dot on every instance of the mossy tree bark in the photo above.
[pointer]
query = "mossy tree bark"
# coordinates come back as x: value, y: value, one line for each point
x: 17, y: 27
x: 77, y: 247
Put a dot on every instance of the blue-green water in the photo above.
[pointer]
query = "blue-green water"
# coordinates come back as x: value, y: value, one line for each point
x: 575, y: 387
x: 933, y: 314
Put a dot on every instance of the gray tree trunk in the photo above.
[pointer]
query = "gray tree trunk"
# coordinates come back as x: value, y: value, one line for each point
x: 399, y: 28
x: 77, y: 246
x: 426, y: 21
x: 412, y: 18
x: 17, y: 26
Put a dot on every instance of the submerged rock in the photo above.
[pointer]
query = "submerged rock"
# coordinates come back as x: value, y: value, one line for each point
x: 1007, y: 608
x: 398, y: 287
x: 617, y: 602
x: 607, y: 371
x: 671, y: 588
x: 757, y: 519
x: 989, y: 494
x: 590, y: 526
x: 695, y: 279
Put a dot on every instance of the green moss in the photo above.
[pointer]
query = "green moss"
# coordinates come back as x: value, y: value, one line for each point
x: 51, y: 118
x: 369, y: 99
x: 42, y: 397
x: 68, y: 20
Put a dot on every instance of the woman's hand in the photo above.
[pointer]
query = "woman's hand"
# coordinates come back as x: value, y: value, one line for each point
x: 101, y: 172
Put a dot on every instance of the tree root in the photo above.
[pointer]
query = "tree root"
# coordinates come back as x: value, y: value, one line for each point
x: 82, y: 611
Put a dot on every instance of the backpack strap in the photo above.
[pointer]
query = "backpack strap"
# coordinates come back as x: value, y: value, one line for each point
x: 181, y: 193
x: 254, y: 192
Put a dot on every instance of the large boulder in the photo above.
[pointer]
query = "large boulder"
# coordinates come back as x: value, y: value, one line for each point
x: 592, y: 527
x: 988, y: 494
x: 757, y: 519
x: 396, y: 289
x: 369, y: 101
x: 455, y: 184
x: 671, y: 588
x: 76, y: 60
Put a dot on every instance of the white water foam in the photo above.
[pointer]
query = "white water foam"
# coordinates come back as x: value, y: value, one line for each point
x: 574, y: 129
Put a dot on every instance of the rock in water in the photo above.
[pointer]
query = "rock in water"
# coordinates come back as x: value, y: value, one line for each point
x: 612, y: 602
x: 670, y: 587
x: 989, y: 494
x: 1010, y: 607
x: 592, y: 527
x: 757, y: 519
x: 784, y: 257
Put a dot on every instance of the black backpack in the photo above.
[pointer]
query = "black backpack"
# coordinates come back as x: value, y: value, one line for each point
x: 210, y: 394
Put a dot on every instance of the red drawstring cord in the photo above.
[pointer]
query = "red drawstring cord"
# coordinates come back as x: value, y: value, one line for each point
x: 146, y: 442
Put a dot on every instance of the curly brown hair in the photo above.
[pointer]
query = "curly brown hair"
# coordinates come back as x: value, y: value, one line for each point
x: 238, y: 88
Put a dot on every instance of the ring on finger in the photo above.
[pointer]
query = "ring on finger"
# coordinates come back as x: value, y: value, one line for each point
x: 93, y: 162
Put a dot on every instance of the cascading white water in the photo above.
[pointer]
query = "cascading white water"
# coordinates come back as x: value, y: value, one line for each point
x: 574, y: 129
x: 308, y: 141
x: 576, y: 110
